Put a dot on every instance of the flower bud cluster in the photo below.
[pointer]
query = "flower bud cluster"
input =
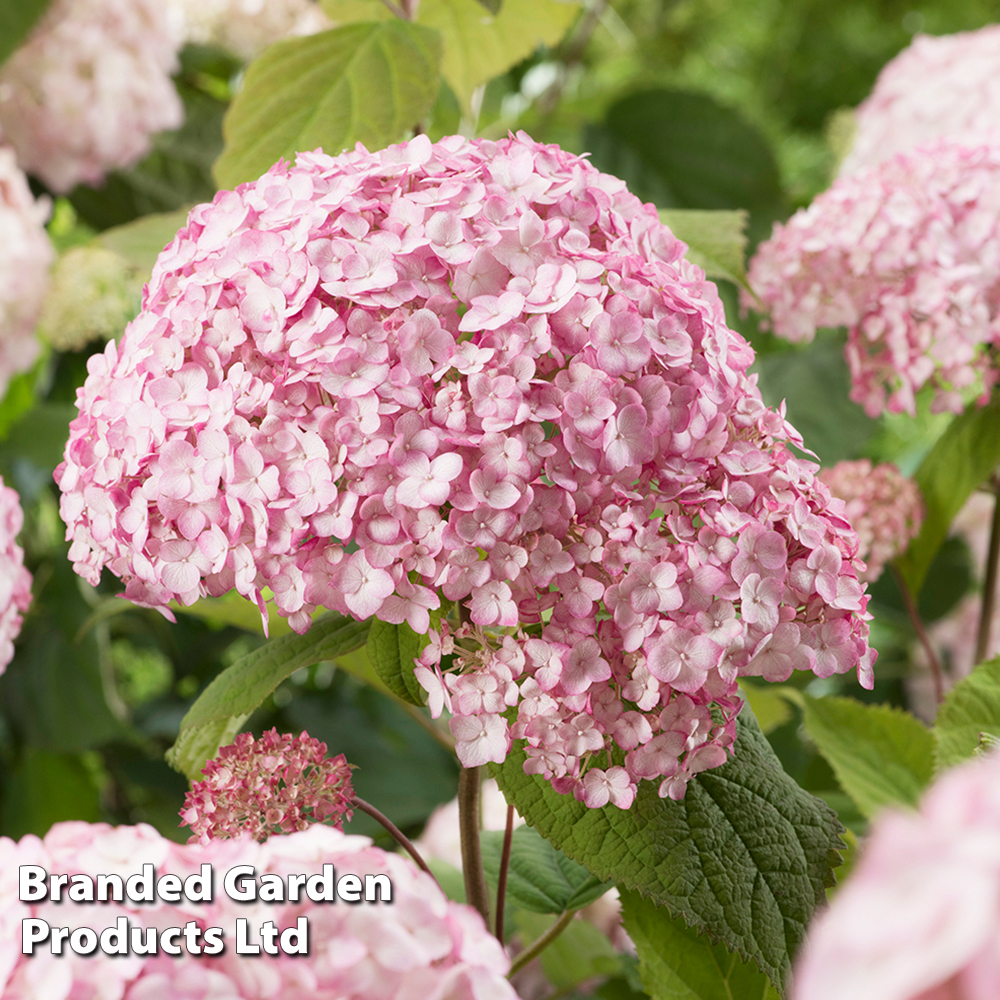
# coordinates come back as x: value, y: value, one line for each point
x: 883, y: 506
x: 420, y: 944
x: 90, y: 86
x: 276, y: 784
x: 936, y: 87
x: 482, y: 373
x: 919, y: 918
x: 906, y: 255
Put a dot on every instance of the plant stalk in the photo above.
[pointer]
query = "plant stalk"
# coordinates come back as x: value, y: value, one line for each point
x: 472, y: 858
x: 538, y: 946
x: 925, y: 639
x: 397, y: 834
x: 990, y: 583
x: 508, y: 839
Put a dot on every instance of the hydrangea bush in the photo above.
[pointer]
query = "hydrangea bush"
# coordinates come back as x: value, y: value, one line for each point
x: 482, y: 373
x: 906, y: 255
x: 89, y: 89
x: 419, y: 944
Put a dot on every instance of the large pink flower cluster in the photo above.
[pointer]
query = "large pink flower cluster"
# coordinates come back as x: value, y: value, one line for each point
x: 418, y: 945
x: 481, y: 372
x: 89, y: 88
x: 883, y: 506
x: 906, y: 255
x: 15, y: 580
x: 24, y: 268
x: 936, y: 87
x: 919, y: 918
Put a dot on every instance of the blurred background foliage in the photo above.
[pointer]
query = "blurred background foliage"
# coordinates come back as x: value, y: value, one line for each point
x: 697, y: 104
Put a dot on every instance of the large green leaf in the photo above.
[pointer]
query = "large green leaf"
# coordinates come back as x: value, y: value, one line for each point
x: 139, y: 243
x: 479, y: 46
x: 17, y: 18
x: 717, y: 240
x: 881, y: 755
x: 744, y: 858
x: 677, y: 964
x: 961, y: 459
x: 970, y: 712
x: 368, y: 82
x: 391, y: 650
x: 539, y: 878
x: 681, y: 149
x: 222, y: 708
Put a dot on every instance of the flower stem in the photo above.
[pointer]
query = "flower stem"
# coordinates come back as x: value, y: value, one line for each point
x: 397, y: 834
x: 990, y: 583
x: 472, y: 858
x: 508, y: 838
x: 925, y: 639
x: 540, y: 944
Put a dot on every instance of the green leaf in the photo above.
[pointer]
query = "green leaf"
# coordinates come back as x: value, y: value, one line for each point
x: 392, y: 650
x: 17, y: 18
x: 769, y: 704
x: 343, y: 12
x: 580, y: 952
x: 681, y: 149
x: 479, y: 46
x: 539, y: 878
x: 676, y: 964
x: 46, y: 788
x: 234, y: 609
x: 139, y: 243
x: 971, y: 710
x: 744, y: 858
x: 368, y: 82
x: 961, y: 459
x: 222, y: 708
x: 717, y: 241
x: 881, y: 755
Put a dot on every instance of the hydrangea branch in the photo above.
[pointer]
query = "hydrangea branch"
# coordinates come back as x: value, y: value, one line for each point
x: 925, y: 640
x: 470, y: 822
x: 397, y: 834
x: 541, y: 943
x: 508, y: 840
x: 990, y: 582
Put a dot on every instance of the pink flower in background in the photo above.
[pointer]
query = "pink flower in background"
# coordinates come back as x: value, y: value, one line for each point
x: 24, y: 268
x: 419, y: 944
x: 278, y: 783
x: 919, y: 917
x: 936, y: 87
x: 906, y: 255
x: 89, y: 88
x: 15, y: 580
x: 468, y: 371
x: 883, y: 506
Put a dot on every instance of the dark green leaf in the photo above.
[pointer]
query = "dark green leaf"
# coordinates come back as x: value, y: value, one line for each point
x: 971, y: 710
x: 46, y: 788
x: 717, y: 240
x: 493, y: 6
x: 744, y: 858
x: 222, y: 708
x: 677, y: 964
x: 17, y: 18
x: 368, y: 82
x: 961, y: 460
x: 881, y: 755
x: 392, y: 650
x: 540, y: 878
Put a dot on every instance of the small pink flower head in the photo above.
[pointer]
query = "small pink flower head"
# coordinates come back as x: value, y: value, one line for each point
x: 15, y: 580
x: 919, y: 917
x: 906, y: 255
x: 276, y: 784
x: 883, y: 506
x: 89, y: 88
x: 946, y: 86
x: 478, y: 372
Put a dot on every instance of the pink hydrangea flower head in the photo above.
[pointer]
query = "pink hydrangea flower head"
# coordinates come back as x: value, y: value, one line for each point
x: 15, y: 580
x: 919, y: 918
x: 946, y: 86
x: 419, y: 943
x: 906, y: 255
x: 245, y: 27
x: 24, y: 276
x: 482, y: 373
x: 278, y: 783
x: 89, y: 88
x: 883, y: 506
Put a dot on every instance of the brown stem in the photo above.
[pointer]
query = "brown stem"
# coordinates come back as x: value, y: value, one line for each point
x: 508, y: 839
x: 398, y: 835
x: 990, y: 583
x: 925, y: 639
x: 397, y: 10
x: 472, y: 858
x: 538, y: 946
